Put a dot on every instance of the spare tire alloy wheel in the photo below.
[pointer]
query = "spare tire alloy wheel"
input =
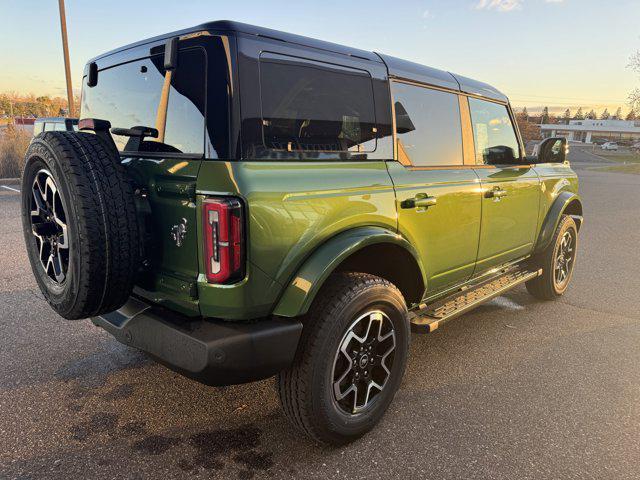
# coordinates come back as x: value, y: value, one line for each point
x: 363, y: 362
x: 49, y: 226
x: 80, y: 223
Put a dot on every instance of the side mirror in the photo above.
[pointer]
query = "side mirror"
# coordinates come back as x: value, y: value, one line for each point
x: 499, y: 155
x: 550, y: 150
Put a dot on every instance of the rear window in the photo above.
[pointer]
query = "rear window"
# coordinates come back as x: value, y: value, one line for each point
x: 315, y: 108
x: 133, y: 94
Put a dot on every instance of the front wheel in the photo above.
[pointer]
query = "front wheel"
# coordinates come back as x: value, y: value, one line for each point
x: 557, y: 262
x: 350, y: 360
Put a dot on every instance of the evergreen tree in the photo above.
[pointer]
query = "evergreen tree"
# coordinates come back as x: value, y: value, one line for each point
x: 605, y: 114
x: 592, y: 115
x: 634, y: 95
x: 525, y: 113
x: 579, y: 114
x: 567, y: 116
x: 618, y: 114
x: 545, y: 115
x: 631, y: 115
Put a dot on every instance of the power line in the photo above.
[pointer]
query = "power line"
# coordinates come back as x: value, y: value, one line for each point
x: 568, y: 103
x: 590, y: 99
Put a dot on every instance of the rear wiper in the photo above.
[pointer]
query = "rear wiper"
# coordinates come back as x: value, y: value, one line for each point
x: 136, y: 135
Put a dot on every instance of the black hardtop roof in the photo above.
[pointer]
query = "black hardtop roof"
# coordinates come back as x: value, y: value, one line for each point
x: 397, y: 67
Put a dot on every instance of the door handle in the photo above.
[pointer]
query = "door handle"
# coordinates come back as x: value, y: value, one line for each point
x: 420, y: 202
x: 497, y: 192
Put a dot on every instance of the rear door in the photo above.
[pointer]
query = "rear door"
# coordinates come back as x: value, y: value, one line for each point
x: 438, y: 198
x: 142, y: 93
x: 511, y: 190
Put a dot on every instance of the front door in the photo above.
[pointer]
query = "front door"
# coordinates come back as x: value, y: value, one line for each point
x: 510, y: 192
x: 438, y: 197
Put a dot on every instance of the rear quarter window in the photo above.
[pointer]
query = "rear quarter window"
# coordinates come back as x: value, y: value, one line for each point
x: 313, y: 110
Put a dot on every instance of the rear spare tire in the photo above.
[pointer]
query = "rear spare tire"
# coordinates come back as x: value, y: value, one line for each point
x: 80, y: 224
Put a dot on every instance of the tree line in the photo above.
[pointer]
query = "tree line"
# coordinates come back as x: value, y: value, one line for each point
x: 546, y: 117
x: 16, y: 105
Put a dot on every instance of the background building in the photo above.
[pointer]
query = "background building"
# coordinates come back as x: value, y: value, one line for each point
x: 590, y: 131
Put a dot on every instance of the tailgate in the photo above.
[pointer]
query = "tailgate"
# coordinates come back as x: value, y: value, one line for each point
x: 166, y: 203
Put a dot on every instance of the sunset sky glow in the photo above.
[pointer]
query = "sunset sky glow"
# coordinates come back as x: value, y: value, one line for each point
x: 559, y: 53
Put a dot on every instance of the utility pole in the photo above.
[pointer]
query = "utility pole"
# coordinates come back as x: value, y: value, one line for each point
x: 65, y: 50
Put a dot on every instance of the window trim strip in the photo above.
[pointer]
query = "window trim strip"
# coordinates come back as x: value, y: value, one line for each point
x: 468, y: 142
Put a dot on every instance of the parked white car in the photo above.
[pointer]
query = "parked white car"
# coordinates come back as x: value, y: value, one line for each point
x: 610, y: 146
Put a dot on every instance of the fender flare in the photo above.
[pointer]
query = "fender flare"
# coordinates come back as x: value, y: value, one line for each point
x: 554, y: 214
x: 310, y: 277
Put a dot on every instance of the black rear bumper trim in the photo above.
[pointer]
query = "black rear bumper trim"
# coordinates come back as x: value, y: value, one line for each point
x: 213, y: 352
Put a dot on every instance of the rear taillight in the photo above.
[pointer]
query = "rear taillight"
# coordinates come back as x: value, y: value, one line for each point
x: 223, y: 239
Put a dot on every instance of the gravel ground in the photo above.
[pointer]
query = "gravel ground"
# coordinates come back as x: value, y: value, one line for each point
x: 518, y: 389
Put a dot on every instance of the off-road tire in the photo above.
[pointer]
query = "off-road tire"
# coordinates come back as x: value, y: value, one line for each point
x: 545, y: 286
x: 102, y: 227
x: 306, y: 388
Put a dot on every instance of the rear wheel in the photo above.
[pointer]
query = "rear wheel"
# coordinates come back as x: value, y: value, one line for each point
x: 350, y: 360
x: 557, y: 262
x: 80, y: 224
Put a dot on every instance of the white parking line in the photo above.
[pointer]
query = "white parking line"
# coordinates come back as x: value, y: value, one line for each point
x: 10, y: 188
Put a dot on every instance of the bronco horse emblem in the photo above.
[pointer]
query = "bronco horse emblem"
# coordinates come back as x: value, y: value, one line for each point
x: 178, y: 232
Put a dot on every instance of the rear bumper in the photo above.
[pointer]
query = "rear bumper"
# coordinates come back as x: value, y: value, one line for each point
x: 213, y: 352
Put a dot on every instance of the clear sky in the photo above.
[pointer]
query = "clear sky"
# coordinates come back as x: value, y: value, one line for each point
x: 560, y: 53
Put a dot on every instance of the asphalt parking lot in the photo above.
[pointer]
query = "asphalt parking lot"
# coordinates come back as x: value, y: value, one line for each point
x: 518, y: 389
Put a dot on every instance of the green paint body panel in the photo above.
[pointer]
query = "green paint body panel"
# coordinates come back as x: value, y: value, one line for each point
x: 446, y: 234
x: 293, y: 208
x: 559, y: 189
x: 509, y: 224
x: 305, y: 218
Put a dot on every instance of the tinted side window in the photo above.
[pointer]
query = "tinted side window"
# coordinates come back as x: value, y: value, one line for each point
x: 130, y: 94
x: 493, y: 132
x: 427, y: 126
x: 314, y: 107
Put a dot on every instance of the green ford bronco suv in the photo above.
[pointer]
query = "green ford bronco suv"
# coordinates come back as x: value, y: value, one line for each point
x: 241, y: 203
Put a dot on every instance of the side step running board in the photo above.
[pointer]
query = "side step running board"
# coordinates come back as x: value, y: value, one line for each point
x: 432, y: 316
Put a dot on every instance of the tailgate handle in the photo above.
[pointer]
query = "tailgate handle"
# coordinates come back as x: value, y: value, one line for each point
x: 182, y: 189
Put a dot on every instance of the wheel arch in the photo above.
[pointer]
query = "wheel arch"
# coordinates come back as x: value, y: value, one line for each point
x: 373, y: 250
x: 567, y: 203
